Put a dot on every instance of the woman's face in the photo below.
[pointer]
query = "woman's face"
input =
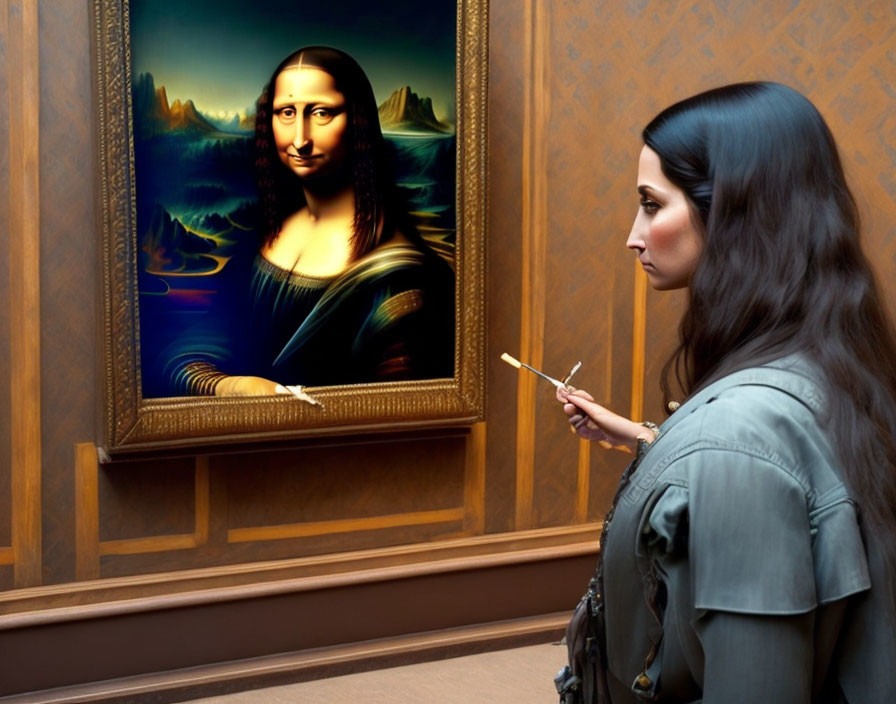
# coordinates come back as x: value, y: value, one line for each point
x: 309, y: 121
x: 664, y: 233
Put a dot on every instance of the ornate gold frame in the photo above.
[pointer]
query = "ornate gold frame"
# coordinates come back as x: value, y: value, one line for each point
x: 132, y: 423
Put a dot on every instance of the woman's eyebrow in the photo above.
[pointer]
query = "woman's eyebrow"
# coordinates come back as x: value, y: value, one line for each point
x: 648, y: 190
x: 314, y: 101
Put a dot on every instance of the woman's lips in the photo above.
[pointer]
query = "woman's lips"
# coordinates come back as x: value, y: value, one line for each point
x: 301, y: 159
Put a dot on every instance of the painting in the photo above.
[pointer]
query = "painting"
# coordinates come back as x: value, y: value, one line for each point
x: 293, y: 210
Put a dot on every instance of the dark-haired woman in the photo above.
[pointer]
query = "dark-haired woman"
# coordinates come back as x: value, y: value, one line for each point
x: 749, y: 554
x: 343, y: 289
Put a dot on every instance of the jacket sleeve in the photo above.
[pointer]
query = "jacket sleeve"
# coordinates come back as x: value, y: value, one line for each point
x: 754, y: 544
x: 751, y: 658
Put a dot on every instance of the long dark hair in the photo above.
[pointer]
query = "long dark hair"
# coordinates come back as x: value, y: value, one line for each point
x: 781, y: 270
x: 369, y: 161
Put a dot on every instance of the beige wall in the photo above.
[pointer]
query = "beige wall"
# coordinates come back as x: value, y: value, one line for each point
x: 571, y: 84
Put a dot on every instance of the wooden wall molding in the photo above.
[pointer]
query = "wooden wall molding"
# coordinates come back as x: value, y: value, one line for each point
x: 474, y: 481
x: 583, y: 480
x: 639, y: 341
x: 161, y: 543
x: 24, y: 289
x: 6, y: 552
x: 536, y: 114
x: 88, y: 546
x: 87, y: 513
x: 166, y: 590
x: 205, y: 597
x: 347, y: 525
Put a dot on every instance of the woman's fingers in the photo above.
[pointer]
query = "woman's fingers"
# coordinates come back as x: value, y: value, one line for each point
x: 585, y: 402
x: 591, y: 421
x: 586, y: 428
x: 605, y: 423
x: 581, y: 393
x: 564, y: 392
x: 578, y: 419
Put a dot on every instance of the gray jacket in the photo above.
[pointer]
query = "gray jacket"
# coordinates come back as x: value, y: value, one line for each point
x: 734, y: 567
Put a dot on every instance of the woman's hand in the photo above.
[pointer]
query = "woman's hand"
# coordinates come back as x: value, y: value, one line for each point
x: 594, y: 422
x: 245, y: 386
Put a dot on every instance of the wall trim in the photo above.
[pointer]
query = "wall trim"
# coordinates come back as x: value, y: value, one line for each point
x: 534, y: 225
x: 24, y: 290
x: 99, y: 598
x: 639, y: 341
x: 345, y: 525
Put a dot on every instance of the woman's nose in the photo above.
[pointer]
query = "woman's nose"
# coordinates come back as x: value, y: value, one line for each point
x: 302, y: 137
x: 636, y: 236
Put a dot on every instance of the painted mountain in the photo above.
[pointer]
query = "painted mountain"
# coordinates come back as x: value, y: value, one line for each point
x: 153, y: 115
x: 404, y: 110
x: 167, y: 244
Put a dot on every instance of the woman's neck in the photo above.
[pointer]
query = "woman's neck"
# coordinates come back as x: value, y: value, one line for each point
x: 328, y: 205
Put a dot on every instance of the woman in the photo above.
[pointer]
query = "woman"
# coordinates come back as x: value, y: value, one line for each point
x: 343, y: 289
x: 749, y: 556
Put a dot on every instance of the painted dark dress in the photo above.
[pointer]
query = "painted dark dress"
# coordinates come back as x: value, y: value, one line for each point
x: 389, y: 316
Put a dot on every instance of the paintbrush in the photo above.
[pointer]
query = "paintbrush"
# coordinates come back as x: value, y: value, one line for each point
x: 575, y: 368
x: 559, y: 384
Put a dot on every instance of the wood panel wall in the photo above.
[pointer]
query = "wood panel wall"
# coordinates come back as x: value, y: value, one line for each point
x: 203, y: 536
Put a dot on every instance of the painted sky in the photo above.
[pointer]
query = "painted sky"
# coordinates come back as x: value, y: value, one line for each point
x: 220, y: 53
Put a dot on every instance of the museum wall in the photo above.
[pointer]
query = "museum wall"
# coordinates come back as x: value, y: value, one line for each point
x: 357, y: 549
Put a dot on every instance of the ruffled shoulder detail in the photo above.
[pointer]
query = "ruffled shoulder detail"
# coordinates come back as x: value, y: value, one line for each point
x: 754, y: 543
x: 666, y: 528
x: 841, y: 566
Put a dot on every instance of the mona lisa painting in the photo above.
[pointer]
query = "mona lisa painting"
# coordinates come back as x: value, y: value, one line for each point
x: 293, y: 211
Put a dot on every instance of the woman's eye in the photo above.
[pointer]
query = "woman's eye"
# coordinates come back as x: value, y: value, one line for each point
x: 322, y: 116
x: 650, y: 207
x: 286, y: 115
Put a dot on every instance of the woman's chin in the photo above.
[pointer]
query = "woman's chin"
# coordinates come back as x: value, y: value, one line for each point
x: 659, y: 283
x: 321, y: 177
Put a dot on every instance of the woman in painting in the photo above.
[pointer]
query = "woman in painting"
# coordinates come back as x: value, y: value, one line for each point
x: 749, y: 553
x: 342, y: 289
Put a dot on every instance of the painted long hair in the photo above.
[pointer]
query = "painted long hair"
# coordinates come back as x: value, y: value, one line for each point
x: 369, y: 160
x: 782, y: 270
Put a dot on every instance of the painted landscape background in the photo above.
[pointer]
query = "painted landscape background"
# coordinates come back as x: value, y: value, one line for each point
x: 197, y: 70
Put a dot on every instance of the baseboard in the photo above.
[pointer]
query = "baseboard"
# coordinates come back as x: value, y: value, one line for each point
x: 224, y: 678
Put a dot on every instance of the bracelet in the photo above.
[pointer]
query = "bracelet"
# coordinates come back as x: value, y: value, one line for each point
x: 642, y: 442
x: 653, y: 428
